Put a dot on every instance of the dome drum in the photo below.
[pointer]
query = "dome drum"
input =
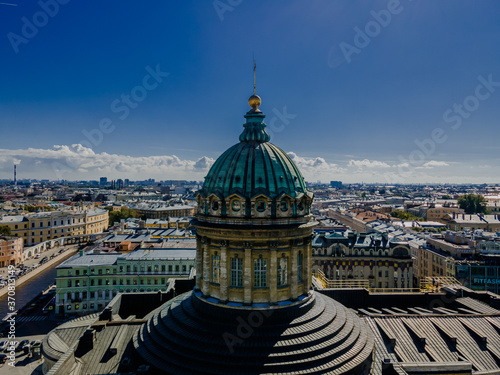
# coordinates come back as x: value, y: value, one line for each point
x: 258, y: 207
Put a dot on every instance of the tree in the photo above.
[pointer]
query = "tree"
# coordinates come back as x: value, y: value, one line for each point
x: 5, y: 230
x: 472, y: 204
x: 124, y: 213
x: 446, y: 196
x: 406, y: 216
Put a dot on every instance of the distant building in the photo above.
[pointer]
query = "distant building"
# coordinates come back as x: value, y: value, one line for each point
x: 480, y: 274
x: 39, y: 227
x: 11, y: 251
x: 170, y: 222
x: 87, y: 282
x: 103, y: 181
x: 164, y: 212
x: 438, y: 213
x: 336, y: 184
x: 460, y: 222
x: 373, y: 257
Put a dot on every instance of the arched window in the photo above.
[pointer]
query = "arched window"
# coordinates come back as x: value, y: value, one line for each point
x: 261, y: 206
x: 284, y: 205
x: 215, y: 205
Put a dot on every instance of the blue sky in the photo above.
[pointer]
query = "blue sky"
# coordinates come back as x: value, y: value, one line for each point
x: 353, y: 90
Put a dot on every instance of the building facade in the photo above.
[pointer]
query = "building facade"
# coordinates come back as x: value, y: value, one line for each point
x: 87, y: 282
x: 11, y: 251
x: 360, y: 256
x: 164, y: 212
x: 36, y: 228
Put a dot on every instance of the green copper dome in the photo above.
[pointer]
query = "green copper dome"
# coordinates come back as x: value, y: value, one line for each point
x: 254, y: 166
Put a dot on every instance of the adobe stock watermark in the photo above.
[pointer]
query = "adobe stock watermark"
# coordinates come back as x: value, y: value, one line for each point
x: 32, y: 25
x: 122, y: 108
x: 279, y: 121
x: 224, y: 6
x: 455, y: 116
x: 363, y: 36
x: 245, y: 328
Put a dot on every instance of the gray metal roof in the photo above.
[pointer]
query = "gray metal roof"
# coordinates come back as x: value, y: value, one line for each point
x: 146, y: 254
x: 89, y: 260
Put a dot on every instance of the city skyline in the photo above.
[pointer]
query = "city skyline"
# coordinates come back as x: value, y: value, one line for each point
x: 383, y: 91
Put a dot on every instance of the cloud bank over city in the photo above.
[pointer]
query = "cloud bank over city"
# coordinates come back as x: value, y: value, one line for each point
x: 77, y: 162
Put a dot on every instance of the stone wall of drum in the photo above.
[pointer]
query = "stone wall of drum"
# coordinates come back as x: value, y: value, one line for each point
x: 284, y: 260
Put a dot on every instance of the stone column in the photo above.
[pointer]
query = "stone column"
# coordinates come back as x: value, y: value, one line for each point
x: 247, y: 274
x: 307, y: 264
x: 272, y: 280
x: 400, y: 275
x: 294, y: 276
x: 199, y: 266
x: 57, y: 299
x: 206, y: 270
x: 80, y: 295
x: 72, y: 296
x: 223, y: 271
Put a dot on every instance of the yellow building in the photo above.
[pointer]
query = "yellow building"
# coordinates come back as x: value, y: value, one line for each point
x: 433, y: 263
x: 40, y: 227
x: 461, y: 222
x: 438, y: 213
x: 163, y: 212
x: 11, y: 251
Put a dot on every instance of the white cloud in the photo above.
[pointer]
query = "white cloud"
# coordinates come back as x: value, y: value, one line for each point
x: 433, y: 163
x: 365, y: 163
x: 314, y: 169
x: 79, y: 162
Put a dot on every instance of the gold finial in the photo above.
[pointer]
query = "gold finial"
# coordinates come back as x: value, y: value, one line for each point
x: 254, y: 101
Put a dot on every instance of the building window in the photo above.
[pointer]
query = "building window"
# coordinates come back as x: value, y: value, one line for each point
x: 260, y: 272
x: 261, y: 206
x: 215, y: 268
x: 299, y: 267
x: 236, y: 205
x: 184, y: 268
x: 284, y: 206
x: 162, y: 268
x: 282, y: 271
x: 236, y: 272
x: 69, y: 283
x: 169, y: 268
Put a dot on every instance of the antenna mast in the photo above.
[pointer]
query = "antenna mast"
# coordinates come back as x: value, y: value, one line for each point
x: 254, y: 66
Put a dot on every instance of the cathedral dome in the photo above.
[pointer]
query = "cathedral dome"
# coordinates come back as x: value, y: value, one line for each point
x: 254, y: 178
